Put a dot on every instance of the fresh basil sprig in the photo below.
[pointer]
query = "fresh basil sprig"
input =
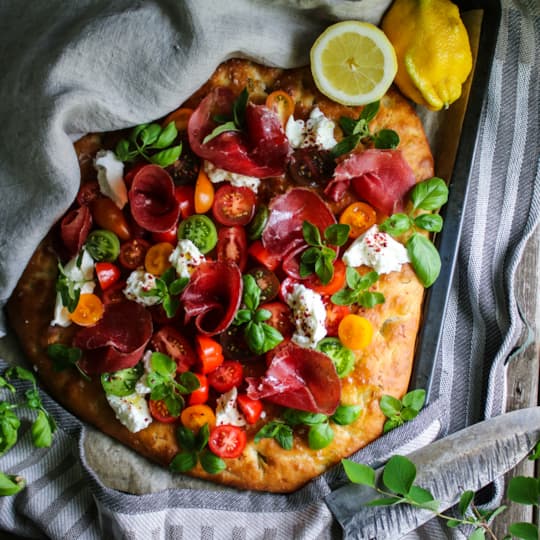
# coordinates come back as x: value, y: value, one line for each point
x: 319, y: 257
x: 358, y: 130
x: 167, y: 289
x: 260, y: 336
x: 194, y: 450
x: 146, y: 138
x: 357, y: 291
x: 398, y: 411
x: 234, y: 123
x: 64, y: 357
x: 278, y: 430
x: 428, y: 195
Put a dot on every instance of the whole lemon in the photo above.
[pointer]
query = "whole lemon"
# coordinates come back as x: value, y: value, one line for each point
x: 432, y: 48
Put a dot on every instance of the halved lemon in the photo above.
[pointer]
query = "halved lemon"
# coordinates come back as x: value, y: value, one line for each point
x: 353, y: 63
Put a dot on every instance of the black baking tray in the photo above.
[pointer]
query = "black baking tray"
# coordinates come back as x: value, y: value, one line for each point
x: 448, y: 240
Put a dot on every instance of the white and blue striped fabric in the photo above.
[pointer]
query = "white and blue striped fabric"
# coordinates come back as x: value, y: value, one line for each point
x: 90, y: 65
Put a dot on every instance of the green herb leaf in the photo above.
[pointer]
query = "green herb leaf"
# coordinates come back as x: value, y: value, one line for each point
x: 524, y: 490
x: 42, y: 430
x: 167, y: 136
x: 346, y: 414
x: 478, y: 534
x: 311, y: 234
x: 396, y: 224
x: 218, y: 130
x: 429, y: 222
x: 178, y: 285
x: 18, y: 372
x: 166, y: 157
x: 465, y: 501
x: 390, y: 406
x: 9, y: 427
x: 320, y: 436
x: 295, y: 417
x: 422, y: 497
x: 11, y: 484
x: 122, y: 150
x: 252, y: 292
x: 370, y: 299
x: 6, y: 385
x: 324, y: 269
x: 68, y: 289
x: 425, y: 259
x: 337, y: 234
x: 386, y: 139
x: 272, y: 337
x: 430, y: 194
x: 370, y: 111
x: 243, y: 316
x: 149, y: 134
x: 385, y: 501
x: 162, y: 364
x: 277, y: 430
x: 63, y: 356
x: 358, y: 473
x: 211, y: 463
x: 414, y: 399
x: 201, y: 439
x: 346, y: 145
x: 183, y: 462
x: 186, y: 438
x: 399, y: 474
x: 526, y: 531
x: 239, y: 108
x: 535, y: 454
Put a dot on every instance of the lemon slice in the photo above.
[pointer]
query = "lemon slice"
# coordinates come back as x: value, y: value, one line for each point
x: 353, y: 63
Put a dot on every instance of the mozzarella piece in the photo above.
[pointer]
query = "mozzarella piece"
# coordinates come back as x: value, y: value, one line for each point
x: 138, y: 283
x: 131, y: 411
x: 227, y: 411
x: 376, y: 249
x: 217, y: 175
x: 110, y: 173
x: 186, y: 257
x: 318, y: 130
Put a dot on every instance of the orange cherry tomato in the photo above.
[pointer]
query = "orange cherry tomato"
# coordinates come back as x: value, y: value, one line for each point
x: 334, y: 285
x: 108, y: 216
x: 201, y: 394
x: 360, y: 216
x: 156, y: 260
x: 180, y: 117
x: 204, y: 193
x: 196, y: 416
x: 355, y: 332
x: 282, y: 104
x: 210, y: 353
x: 89, y: 310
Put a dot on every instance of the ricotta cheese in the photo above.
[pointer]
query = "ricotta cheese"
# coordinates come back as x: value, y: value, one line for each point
x: 316, y: 131
x: 138, y: 284
x: 110, y: 174
x: 376, y: 249
x: 227, y: 410
x: 131, y: 411
x: 186, y: 257
x: 217, y: 175
x: 309, y: 315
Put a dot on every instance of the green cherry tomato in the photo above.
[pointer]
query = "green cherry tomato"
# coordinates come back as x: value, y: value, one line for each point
x: 342, y: 357
x: 103, y: 245
x: 200, y: 230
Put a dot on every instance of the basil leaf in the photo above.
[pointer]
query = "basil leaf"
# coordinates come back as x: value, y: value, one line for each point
x: 222, y: 128
x: 11, y: 484
x: 183, y: 462
x: 190, y: 381
x: 121, y: 383
x: 425, y: 259
x: 68, y: 289
x: 345, y: 297
x: 63, y: 356
x: 6, y: 385
x: 414, y: 399
x: 279, y: 431
x: 324, y: 269
x: 162, y: 364
x: 370, y: 111
x: 320, y: 436
x: 353, y: 278
x: 346, y: 414
x: 311, y: 233
x: 136, y: 130
x: 346, y: 145
x: 385, y: 139
x: 166, y: 157
x: 186, y: 438
x: 262, y: 315
x: 201, y: 440
x: 408, y: 414
x: 32, y: 398
x: 18, y: 372
x: 255, y: 337
x: 42, y: 430
x: 390, y: 406
x: 310, y: 255
x: 396, y: 224
x: 9, y: 428
x: 242, y: 316
x: 370, y: 299
x: 429, y: 222
x: 358, y: 473
x: 174, y: 403
x: 296, y: 417
x: 430, y: 194
x: 347, y: 124
x: 211, y: 463
x: 337, y: 234
x: 399, y: 474
x: 122, y: 150
x: 149, y: 134
x: 342, y: 357
x: 167, y: 136
x: 369, y: 279
x: 392, y: 423
x: 252, y: 292
x: 239, y: 108
x: 178, y: 285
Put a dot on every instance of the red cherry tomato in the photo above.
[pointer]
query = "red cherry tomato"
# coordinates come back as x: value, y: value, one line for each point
x: 199, y: 396
x: 227, y: 441
x: 108, y: 216
x: 133, y: 252
x: 170, y: 341
x: 258, y: 252
x: 267, y: 281
x: 128, y: 177
x: 250, y: 408
x: 232, y: 245
x: 334, y: 285
x: 160, y: 412
x: 226, y: 376
x: 334, y: 315
x: 281, y: 318
x: 107, y: 273
x: 185, y: 196
x: 170, y: 236
x: 311, y: 167
x: 88, y: 193
x: 234, y: 205
x: 209, y: 352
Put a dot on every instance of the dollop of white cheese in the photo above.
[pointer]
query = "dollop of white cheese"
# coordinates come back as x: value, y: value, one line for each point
x: 217, y: 175
x: 376, y: 249
x: 138, y: 284
x: 309, y: 315
x: 131, y: 411
x: 227, y: 410
x: 186, y: 257
x: 110, y: 174
x: 318, y: 130
x: 79, y: 270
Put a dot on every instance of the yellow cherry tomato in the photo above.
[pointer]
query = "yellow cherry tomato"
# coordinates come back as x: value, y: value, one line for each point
x: 359, y: 216
x: 156, y: 260
x: 195, y: 416
x: 282, y: 104
x: 355, y: 332
x: 204, y: 193
x: 89, y: 310
x: 180, y: 117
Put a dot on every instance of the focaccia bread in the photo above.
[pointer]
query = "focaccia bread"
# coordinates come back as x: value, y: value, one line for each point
x: 293, y: 190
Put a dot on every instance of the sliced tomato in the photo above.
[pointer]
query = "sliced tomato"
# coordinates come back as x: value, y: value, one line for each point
x: 180, y: 117
x: 232, y: 245
x: 360, y: 216
x: 185, y: 196
x: 156, y: 260
x: 234, y: 205
x: 107, y: 273
x: 251, y: 408
x: 201, y: 394
x: 204, y: 193
x: 170, y: 236
x: 281, y: 318
x: 234, y: 344
x: 226, y: 376
x: 108, y: 216
x: 267, y: 281
x: 282, y: 104
x: 170, y: 341
x: 133, y: 252
x: 88, y: 193
x: 334, y: 285
x: 258, y: 252
x: 334, y: 315
x: 89, y: 310
x: 196, y: 416
x: 160, y: 412
x: 209, y: 353
x: 227, y: 441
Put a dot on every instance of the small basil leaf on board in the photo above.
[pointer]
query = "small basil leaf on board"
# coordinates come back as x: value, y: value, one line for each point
x: 370, y: 299
x: 337, y: 234
x: 166, y: 157
x: 345, y: 146
x: 162, y: 364
x: 386, y: 139
x: 347, y: 125
x: 346, y: 414
x: 414, y: 399
x: 320, y: 436
x: 425, y: 259
x: 167, y: 136
x: 429, y: 222
x: 396, y: 224
x: 63, y: 356
x: 390, y: 406
x: 186, y: 438
x: 370, y: 111
x: 311, y: 233
x: 211, y: 463
x: 183, y: 461
x: 430, y: 194
x: 18, y: 372
x: 149, y: 134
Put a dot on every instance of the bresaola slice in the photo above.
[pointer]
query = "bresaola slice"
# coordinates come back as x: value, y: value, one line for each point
x: 152, y: 201
x: 380, y: 177
x: 118, y: 340
x: 299, y: 378
x: 213, y: 296
x: 261, y: 152
x: 74, y: 229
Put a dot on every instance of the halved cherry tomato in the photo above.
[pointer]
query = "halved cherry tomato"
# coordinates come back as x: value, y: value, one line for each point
x: 263, y: 256
x: 156, y: 260
x: 334, y: 315
x: 89, y: 310
x: 185, y: 196
x: 133, y: 252
x: 355, y: 332
x: 232, y: 245
x: 180, y: 117
x: 159, y: 410
x: 281, y: 318
x: 88, y: 193
x: 209, y: 352
x: 108, y: 216
x: 115, y: 293
x: 204, y: 193
x: 170, y: 341
x: 334, y: 285
x: 170, y: 236
x: 251, y: 408
x: 311, y: 167
x: 201, y: 394
x: 234, y: 344
x: 227, y: 441
x: 267, y: 281
x: 107, y: 273
x: 234, y: 205
x: 226, y: 376
x: 282, y: 104
x: 196, y: 416
x: 360, y: 216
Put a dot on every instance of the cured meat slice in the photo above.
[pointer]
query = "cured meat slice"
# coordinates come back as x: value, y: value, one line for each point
x: 151, y: 197
x: 213, y: 296
x: 299, y: 378
x: 283, y: 232
x: 380, y: 177
x: 264, y: 155
x: 74, y: 229
x: 118, y: 340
